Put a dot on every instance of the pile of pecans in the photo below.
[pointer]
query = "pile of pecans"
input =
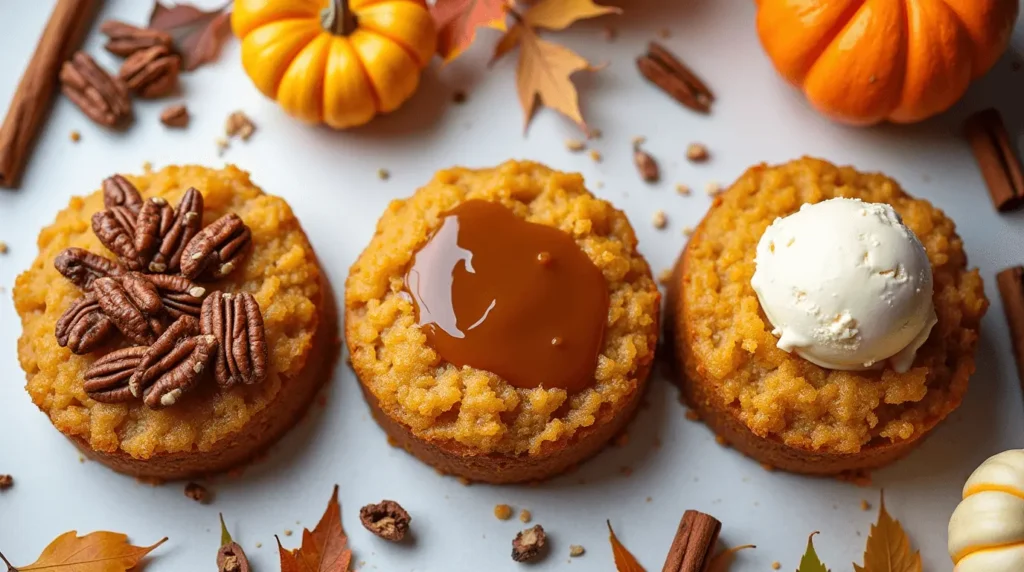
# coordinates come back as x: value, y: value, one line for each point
x: 150, y: 297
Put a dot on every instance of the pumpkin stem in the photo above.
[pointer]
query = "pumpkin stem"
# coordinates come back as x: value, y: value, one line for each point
x: 338, y: 19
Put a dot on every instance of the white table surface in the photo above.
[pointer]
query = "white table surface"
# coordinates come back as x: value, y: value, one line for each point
x: 331, y: 181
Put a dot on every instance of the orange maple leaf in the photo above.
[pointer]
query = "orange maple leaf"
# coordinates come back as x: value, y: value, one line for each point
x: 624, y: 559
x: 95, y: 552
x: 457, y: 21
x: 325, y: 549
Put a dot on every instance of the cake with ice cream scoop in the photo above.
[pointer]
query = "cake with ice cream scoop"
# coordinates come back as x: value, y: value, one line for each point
x: 823, y: 320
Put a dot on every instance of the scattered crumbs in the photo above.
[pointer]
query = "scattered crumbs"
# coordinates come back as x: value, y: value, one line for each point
x: 239, y: 125
x: 594, y: 133
x: 712, y: 189
x: 721, y: 441
x: 683, y: 189
x: 768, y: 467
x: 525, y: 516
x: 287, y: 532
x: 6, y: 482
x: 464, y: 481
x: 75, y: 135
x: 648, y: 499
x: 609, y: 33
x: 865, y: 505
x: 626, y: 471
x: 3, y: 247
x: 664, y: 33
x: 696, y: 152
x: 222, y: 145
x: 392, y: 441
x: 622, y: 440
x: 459, y: 97
x: 691, y: 415
x: 81, y: 458
x: 688, y: 232
x: 776, y: 565
x: 502, y: 512
x: 659, y: 220
x: 595, y: 155
x: 638, y: 140
x: 383, y: 174
x: 197, y: 492
x: 665, y: 276
x: 575, y: 145
x: 576, y: 550
x: 259, y: 545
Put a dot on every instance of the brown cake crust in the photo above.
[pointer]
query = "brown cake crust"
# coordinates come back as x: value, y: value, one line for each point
x: 776, y: 407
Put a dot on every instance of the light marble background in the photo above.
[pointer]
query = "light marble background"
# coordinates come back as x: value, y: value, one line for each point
x: 331, y: 181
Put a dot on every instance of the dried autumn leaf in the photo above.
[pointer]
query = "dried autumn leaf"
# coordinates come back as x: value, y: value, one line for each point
x: 198, y: 34
x: 94, y: 552
x: 810, y: 561
x: 457, y: 21
x: 560, y: 14
x: 720, y: 562
x: 324, y: 549
x: 888, y: 548
x: 624, y: 560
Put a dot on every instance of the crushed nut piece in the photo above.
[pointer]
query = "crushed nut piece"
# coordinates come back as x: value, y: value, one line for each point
x: 239, y: 125
x: 776, y: 565
x: 459, y: 97
x: 683, y: 189
x: 575, y: 145
x: 383, y: 174
x: 576, y: 550
x: 665, y: 276
x: 595, y: 155
x: 287, y: 532
x: 6, y: 482
x: 865, y: 505
x: 697, y: 152
x: 525, y: 516
x: 197, y: 492
x: 175, y: 116
x: 222, y: 145
x: 259, y: 545
x: 502, y: 512
x: 688, y: 231
x: 659, y: 220
x: 712, y: 189
x: 386, y: 519
x: 3, y: 247
x: 76, y: 136
x: 528, y: 544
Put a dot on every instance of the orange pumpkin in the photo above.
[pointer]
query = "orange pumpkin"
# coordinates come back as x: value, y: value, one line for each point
x: 335, y: 61
x: 866, y: 61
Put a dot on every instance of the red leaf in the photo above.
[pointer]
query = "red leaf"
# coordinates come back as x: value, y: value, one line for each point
x: 457, y: 21
x: 198, y: 34
x: 323, y: 550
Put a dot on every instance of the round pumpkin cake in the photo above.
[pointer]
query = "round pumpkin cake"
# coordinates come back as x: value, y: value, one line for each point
x: 776, y: 406
x: 546, y: 263
x: 195, y: 346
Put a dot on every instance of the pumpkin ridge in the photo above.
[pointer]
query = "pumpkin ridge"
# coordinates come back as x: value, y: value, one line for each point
x: 830, y: 36
x: 297, y: 48
x: 986, y: 488
x: 369, y: 80
x: 405, y: 48
x: 984, y: 548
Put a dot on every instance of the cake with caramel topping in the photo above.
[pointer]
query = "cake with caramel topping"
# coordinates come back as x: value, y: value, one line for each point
x: 824, y: 321
x: 175, y: 323
x: 501, y: 322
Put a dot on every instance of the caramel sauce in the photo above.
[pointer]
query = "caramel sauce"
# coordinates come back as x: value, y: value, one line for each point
x: 519, y: 299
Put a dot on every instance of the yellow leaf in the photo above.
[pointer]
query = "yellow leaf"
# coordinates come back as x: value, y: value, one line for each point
x: 508, y: 42
x: 543, y: 75
x: 721, y: 561
x: 560, y: 14
x: 94, y: 552
x: 624, y: 561
x: 888, y: 548
x: 810, y: 561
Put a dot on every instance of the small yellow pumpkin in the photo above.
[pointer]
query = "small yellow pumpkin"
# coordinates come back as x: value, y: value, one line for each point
x: 986, y: 531
x: 335, y: 61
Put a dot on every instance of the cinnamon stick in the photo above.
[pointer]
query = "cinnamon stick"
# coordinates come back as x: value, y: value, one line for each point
x: 694, y: 544
x: 34, y: 96
x: 1000, y: 166
x: 1011, y: 290
x: 672, y: 76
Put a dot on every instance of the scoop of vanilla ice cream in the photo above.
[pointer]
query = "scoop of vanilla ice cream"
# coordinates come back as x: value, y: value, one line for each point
x: 846, y: 285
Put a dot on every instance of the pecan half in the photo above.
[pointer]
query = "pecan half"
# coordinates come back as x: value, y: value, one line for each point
x: 119, y: 191
x: 83, y: 327
x: 175, y: 116
x: 528, y: 544
x: 237, y: 324
x: 100, y: 96
x: 387, y: 519
x: 152, y: 72
x: 125, y: 39
x: 115, y: 227
x: 81, y: 267
x: 132, y: 304
x: 154, y: 221
x: 186, y: 224
x: 173, y: 365
x: 179, y: 295
x: 106, y: 380
x: 216, y: 250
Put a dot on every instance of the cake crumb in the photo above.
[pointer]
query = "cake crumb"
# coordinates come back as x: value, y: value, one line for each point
x: 575, y: 145
x: 393, y: 442
x: 638, y: 140
x: 712, y: 189
x: 6, y: 482
x: 767, y: 467
x: 692, y: 415
x: 259, y: 545
x: 697, y: 152
x: 383, y: 174
x: 147, y: 166
x: 81, y: 458
x: 3, y: 247
x: 865, y: 505
x: 688, y: 231
x: 75, y: 135
x: 502, y: 512
x: 721, y: 441
x: 622, y: 440
x: 287, y: 532
x: 776, y: 565
x: 595, y: 155
x: 683, y: 189
x: 464, y: 481
x: 525, y: 516
x: 197, y: 492
x: 576, y: 550
x: 222, y: 144
x: 659, y: 220
x: 665, y: 276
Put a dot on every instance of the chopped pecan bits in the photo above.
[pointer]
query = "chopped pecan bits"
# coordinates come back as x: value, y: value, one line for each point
x: 6, y: 482
x: 83, y: 327
x: 239, y: 125
x: 106, y: 380
x: 152, y: 72
x: 131, y: 306
x: 101, y: 97
x: 119, y: 191
x: 237, y: 324
x: 154, y: 221
x: 215, y: 251
x: 187, y: 221
x: 125, y: 39
x: 115, y: 227
x: 645, y: 165
x: 81, y: 267
x: 197, y: 492
x: 173, y: 365
x: 180, y: 296
x: 528, y: 544
x: 387, y: 519
x: 175, y: 116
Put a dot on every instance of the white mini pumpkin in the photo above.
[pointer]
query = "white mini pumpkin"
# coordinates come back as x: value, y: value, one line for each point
x: 986, y: 531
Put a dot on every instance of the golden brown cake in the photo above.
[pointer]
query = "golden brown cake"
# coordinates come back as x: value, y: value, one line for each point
x: 247, y: 390
x: 470, y: 421
x: 776, y: 406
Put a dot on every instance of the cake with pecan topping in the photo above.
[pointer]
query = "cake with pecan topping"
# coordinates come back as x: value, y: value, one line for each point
x: 175, y: 323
